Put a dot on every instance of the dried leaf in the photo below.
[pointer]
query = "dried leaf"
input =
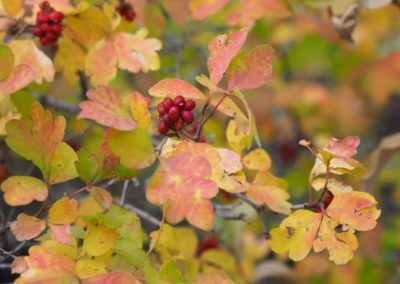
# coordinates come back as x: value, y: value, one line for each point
x: 27, y: 227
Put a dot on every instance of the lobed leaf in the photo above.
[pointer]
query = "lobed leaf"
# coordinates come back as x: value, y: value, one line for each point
x: 22, y: 190
x: 172, y: 87
x: 27, y: 227
x: 107, y: 108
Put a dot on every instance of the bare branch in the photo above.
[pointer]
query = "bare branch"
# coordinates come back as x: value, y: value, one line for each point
x: 143, y: 214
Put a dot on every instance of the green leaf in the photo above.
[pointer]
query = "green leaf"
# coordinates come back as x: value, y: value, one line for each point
x: 6, y: 62
x: 128, y: 250
x: 134, y: 148
x: 169, y: 271
x: 62, y: 165
x: 116, y: 217
x: 87, y: 166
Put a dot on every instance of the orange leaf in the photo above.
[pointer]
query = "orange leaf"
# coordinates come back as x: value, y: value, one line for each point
x: 27, y: 227
x: 250, y: 70
x: 119, y: 277
x: 171, y: 87
x: 183, y: 182
x: 61, y: 234
x: 222, y: 49
x: 21, y: 76
x: 107, y: 108
x: 64, y: 211
x: 201, y: 9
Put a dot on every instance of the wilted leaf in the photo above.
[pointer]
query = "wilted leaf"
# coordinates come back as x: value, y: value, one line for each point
x: 132, y: 52
x: 64, y: 211
x: 171, y: 87
x: 134, y: 148
x: 184, y: 191
x: 22, y: 190
x: 107, y: 108
x: 27, y: 227
x: 222, y: 50
x: 250, y: 70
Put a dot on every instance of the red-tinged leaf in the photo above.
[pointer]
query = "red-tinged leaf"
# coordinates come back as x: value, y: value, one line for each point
x: 177, y: 185
x: 21, y: 76
x: 61, y: 234
x: 132, y: 52
x: 356, y: 209
x: 222, y: 50
x: 64, y: 211
x: 250, y: 70
x: 22, y: 190
x: 27, y: 227
x: 19, y: 265
x: 36, y: 141
x: 107, y: 108
x: 344, y: 149
x: 201, y: 9
x: 171, y: 87
x: 119, y: 277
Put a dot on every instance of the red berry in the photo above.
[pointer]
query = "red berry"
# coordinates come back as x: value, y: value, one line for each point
x: 189, y: 105
x: 328, y: 199
x: 168, y: 103
x: 202, y: 139
x: 187, y: 117
x: 179, y: 101
x: 56, y: 16
x: 130, y: 15
x: 193, y: 129
x: 173, y: 113
x: 167, y: 120
x: 163, y: 127
x: 44, y: 40
x: 57, y: 29
x: 51, y: 37
x: 37, y: 31
x: 46, y: 28
x: 161, y: 109
x: 41, y: 17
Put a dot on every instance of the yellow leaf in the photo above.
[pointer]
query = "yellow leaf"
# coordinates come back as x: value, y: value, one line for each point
x: 86, y: 268
x: 64, y: 211
x: 98, y: 239
x: 22, y: 190
x: 257, y: 159
x: 139, y: 106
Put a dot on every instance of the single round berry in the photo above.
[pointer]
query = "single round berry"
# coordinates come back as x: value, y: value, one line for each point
x: 44, y: 40
x: 41, y: 17
x: 56, y: 16
x: 45, y: 27
x: 161, y: 109
x: 189, y: 105
x: 37, y: 31
x: 187, y: 117
x: 163, y: 127
x: 57, y: 29
x: 202, y: 139
x: 179, y: 101
x: 51, y: 37
x: 173, y: 113
x: 167, y: 120
x: 177, y: 126
x: 193, y: 129
x: 168, y: 103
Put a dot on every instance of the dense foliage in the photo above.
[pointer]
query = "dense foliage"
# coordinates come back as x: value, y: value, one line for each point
x: 143, y: 140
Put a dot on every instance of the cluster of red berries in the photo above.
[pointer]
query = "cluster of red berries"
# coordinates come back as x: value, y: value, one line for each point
x: 48, y: 24
x: 126, y: 11
x: 175, y: 113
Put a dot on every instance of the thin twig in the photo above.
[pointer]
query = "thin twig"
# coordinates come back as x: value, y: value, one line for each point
x: 7, y: 253
x: 247, y: 200
x: 143, y: 214
x: 3, y: 225
x: 78, y: 191
x: 123, y: 195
